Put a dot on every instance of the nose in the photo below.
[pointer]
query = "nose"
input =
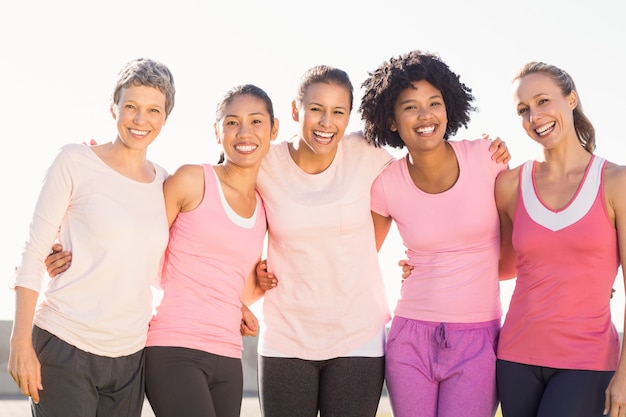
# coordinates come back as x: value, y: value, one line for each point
x: 140, y: 117
x: 325, y: 119
x: 244, y: 129
x: 423, y: 112
x: 533, y: 115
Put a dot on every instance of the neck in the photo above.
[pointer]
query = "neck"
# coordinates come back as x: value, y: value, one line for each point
x: 309, y: 161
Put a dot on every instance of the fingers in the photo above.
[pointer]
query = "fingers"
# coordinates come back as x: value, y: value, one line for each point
x: 30, y: 385
x: 250, y: 328
x: 406, y: 268
x: 58, y: 262
x: 265, y: 280
x: 499, y: 150
x: 268, y: 282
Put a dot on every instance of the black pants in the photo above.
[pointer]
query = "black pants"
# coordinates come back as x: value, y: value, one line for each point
x: 536, y: 391
x: 78, y: 383
x: 339, y: 387
x: 192, y: 383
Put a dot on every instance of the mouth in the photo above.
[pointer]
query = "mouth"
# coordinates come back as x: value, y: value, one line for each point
x: 426, y: 130
x: 545, y: 129
x: 323, y: 138
x: 246, y: 148
x: 137, y: 132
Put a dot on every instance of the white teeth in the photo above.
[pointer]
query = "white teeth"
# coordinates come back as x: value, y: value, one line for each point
x: 429, y: 129
x: 324, y: 134
x: 543, y: 129
x: 138, y: 132
x: 246, y: 148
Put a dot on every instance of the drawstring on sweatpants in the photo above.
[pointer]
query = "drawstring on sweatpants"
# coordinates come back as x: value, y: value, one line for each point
x: 440, y: 336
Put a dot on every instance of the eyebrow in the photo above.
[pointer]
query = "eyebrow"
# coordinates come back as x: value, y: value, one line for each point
x: 436, y: 96
x: 257, y: 113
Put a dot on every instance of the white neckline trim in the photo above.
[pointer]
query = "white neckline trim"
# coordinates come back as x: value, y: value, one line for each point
x: 243, y: 222
x: 579, y: 206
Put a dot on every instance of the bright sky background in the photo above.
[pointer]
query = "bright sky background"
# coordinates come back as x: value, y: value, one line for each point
x: 58, y: 60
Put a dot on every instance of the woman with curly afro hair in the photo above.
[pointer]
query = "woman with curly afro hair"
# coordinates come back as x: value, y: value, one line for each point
x: 440, y: 355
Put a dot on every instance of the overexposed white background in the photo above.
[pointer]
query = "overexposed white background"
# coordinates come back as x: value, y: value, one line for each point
x: 58, y: 60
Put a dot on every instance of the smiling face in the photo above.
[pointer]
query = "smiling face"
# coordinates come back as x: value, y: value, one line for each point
x: 140, y: 115
x: 420, y: 116
x: 546, y: 114
x: 245, y: 130
x: 323, y: 116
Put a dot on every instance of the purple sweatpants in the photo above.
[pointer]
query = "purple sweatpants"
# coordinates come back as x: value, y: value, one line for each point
x: 442, y: 369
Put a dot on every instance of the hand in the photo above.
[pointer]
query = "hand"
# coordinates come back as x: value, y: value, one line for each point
x: 499, y: 150
x: 249, y: 323
x: 265, y: 280
x: 58, y: 261
x: 615, y: 396
x: 406, y: 268
x: 25, y: 369
x: 92, y: 142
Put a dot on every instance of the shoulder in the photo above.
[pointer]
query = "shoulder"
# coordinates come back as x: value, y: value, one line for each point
x: 507, y: 184
x: 187, y: 173
x: 75, y: 149
x: 615, y: 179
x: 473, y: 147
x: 356, y: 143
x: 510, y: 176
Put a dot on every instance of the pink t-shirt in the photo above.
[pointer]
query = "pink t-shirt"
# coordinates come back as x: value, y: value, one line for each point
x: 210, y: 254
x: 330, y: 298
x: 453, y: 238
x: 567, y: 261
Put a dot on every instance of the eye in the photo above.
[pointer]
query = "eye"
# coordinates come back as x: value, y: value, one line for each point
x: 543, y: 101
x: 522, y: 110
x: 230, y: 123
x: 340, y: 112
x: 129, y: 106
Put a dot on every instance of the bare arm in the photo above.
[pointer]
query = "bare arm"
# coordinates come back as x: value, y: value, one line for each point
x: 183, y: 191
x: 506, y: 189
x: 23, y: 365
x: 252, y: 291
x: 381, y: 228
x: 615, y: 184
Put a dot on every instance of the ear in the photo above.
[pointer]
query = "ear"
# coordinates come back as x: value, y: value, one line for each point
x: 392, y: 126
x: 572, y: 99
x: 217, y: 134
x: 294, y: 111
x: 112, y: 110
x: 274, y: 133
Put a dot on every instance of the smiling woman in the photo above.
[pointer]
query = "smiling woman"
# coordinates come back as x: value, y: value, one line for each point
x: 106, y: 203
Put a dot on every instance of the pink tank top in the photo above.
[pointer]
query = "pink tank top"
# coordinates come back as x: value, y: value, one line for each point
x: 567, y: 261
x: 210, y: 254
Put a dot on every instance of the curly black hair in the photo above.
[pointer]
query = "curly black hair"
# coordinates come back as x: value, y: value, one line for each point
x: 384, y: 85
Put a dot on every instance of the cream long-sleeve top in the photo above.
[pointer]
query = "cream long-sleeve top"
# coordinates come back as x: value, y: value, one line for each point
x: 117, y: 231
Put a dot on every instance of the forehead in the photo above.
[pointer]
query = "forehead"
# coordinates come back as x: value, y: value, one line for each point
x: 143, y: 94
x: 327, y: 94
x: 533, y: 84
x: 421, y: 87
x: 245, y: 103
